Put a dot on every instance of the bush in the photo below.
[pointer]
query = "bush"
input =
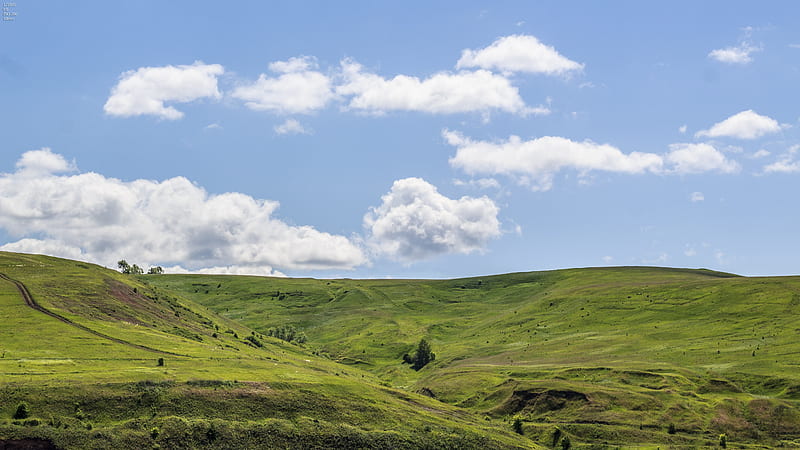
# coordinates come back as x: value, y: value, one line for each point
x: 671, y: 429
x: 565, y: 443
x: 556, y: 436
x: 22, y: 411
x: 517, y: 425
x: 723, y: 441
x: 287, y: 333
x: 160, y: 362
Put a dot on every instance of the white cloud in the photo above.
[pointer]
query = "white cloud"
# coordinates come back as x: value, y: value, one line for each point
x: 739, y: 54
x: 682, y: 129
x: 761, y: 154
x: 144, y: 91
x: 536, y: 162
x: 415, y: 222
x: 265, y: 271
x: 479, y: 183
x: 213, y: 126
x: 297, y: 90
x: 608, y: 259
x: 294, y: 64
x: 42, y: 161
x: 95, y: 218
x: 519, y: 53
x: 699, y: 158
x: 442, y: 93
x: 291, y: 126
x: 744, y: 125
x: 787, y: 163
x: 696, y: 197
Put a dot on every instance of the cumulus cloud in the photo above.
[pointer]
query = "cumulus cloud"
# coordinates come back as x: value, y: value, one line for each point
x: 519, y: 53
x: 699, y: 158
x: 299, y: 89
x: 415, y: 222
x: 91, y: 217
x: 739, y: 54
x: 441, y: 93
x: 291, y: 126
x: 536, y: 162
x: 697, y: 197
x: 762, y: 153
x: 43, y: 161
x: 786, y: 163
x: 145, y: 90
x: 744, y: 125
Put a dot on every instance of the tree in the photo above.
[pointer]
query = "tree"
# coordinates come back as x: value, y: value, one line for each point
x: 136, y: 270
x: 423, y: 356
x: 124, y: 267
x: 157, y: 270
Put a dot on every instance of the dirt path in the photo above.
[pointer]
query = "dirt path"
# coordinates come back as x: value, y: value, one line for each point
x: 26, y: 295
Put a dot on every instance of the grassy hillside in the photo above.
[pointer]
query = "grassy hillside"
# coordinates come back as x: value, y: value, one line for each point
x: 80, y: 347
x: 606, y: 355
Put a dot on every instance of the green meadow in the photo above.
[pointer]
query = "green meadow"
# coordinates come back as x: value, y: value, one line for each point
x: 628, y: 357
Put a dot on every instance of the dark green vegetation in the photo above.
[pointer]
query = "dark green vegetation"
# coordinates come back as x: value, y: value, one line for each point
x: 617, y: 357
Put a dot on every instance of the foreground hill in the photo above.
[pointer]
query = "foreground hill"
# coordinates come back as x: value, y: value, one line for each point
x: 90, y: 358
x: 615, y: 356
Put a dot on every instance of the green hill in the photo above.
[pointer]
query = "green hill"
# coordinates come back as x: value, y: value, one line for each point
x: 607, y: 355
x: 105, y: 360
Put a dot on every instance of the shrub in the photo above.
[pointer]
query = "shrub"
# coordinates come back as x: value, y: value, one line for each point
x: 517, y: 425
x: 22, y: 411
x: 565, y: 443
x: 723, y: 441
x: 671, y: 429
x: 556, y: 436
x: 160, y: 362
x: 254, y: 340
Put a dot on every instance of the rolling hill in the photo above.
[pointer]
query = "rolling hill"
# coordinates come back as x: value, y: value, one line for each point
x: 606, y: 355
x: 90, y: 358
x: 632, y: 357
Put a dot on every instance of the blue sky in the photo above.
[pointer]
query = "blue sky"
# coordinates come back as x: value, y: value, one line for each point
x: 378, y: 139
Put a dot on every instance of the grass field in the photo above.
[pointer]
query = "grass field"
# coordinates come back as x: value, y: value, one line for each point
x: 628, y: 357
x: 216, y: 388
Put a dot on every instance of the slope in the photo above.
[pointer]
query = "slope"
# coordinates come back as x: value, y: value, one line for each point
x: 607, y: 355
x: 103, y: 360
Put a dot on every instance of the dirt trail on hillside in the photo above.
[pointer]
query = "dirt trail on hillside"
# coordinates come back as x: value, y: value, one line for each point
x: 26, y: 295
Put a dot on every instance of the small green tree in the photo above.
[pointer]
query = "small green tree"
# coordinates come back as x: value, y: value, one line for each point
x: 565, y: 443
x: 671, y: 429
x: 157, y: 270
x: 136, y: 270
x: 124, y: 267
x: 723, y: 441
x: 423, y: 356
x: 22, y: 411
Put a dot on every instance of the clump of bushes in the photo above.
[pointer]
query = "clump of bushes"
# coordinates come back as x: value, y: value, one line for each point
x: 287, y: 333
